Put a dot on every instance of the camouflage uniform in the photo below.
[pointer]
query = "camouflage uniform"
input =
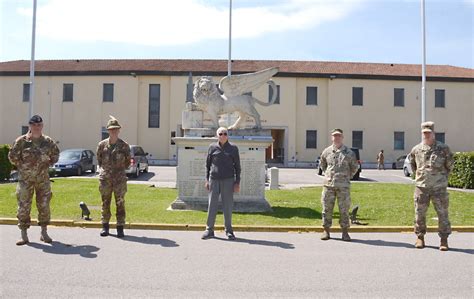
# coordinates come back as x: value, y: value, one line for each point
x: 113, y: 160
x: 339, y: 166
x: 432, y: 165
x: 33, y: 157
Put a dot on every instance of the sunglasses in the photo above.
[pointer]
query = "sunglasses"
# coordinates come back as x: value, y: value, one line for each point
x: 225, y: 134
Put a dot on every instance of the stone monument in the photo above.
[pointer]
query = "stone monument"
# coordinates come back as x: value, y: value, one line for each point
x: 199, y: 134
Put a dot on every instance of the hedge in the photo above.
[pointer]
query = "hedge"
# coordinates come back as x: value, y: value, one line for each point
x: 462, y: 175
x: 5, y: 165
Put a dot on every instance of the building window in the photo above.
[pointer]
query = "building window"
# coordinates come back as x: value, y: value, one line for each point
x: 440, y: 137
x: 104, y: 134
x: 399, y: 97
x: 26, y: 92
x: 270, y: 94
x: 108, y: 92
x: 311, y: 139
x: 357, y: 96
x: 68, y: 92
x: 357, y: 139
x: 311, y: 95
x: 24, y: 130
x: 399, y: 140
x: 154, y: 106
x: 189, y: 92
x: 440, y: 98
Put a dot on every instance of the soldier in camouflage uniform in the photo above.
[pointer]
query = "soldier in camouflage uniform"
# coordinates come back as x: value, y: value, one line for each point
x: 113, y: 157
x: 33, y: 154
x: 431, y: 161
x: 339, y: 165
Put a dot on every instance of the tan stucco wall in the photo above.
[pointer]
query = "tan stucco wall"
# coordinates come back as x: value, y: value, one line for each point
x: 78, y: 123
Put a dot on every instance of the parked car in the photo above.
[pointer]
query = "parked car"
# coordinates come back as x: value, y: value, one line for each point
x: 75, y: 162
x: 407, y: 166
x: 398, y: 164
x: 139, y: 161
x: 356, y: 152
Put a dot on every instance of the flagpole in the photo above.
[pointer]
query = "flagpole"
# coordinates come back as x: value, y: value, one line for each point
x: 229, y: 61
x: 423, y: 65
x: 32, y: 64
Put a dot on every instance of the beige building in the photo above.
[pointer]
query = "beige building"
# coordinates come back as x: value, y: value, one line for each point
x: 377, y: 105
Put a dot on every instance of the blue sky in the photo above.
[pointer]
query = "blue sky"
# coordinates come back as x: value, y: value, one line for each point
x: 329, y: 30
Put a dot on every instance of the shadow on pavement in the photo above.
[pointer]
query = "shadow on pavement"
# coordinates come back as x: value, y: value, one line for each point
x: 406, y: 245
x: 143, y: 177
x: 381, y: 243
x: 364, y: 179
x: 282, y: 245
x: 56, y: 247
x: 151, y: 241
x: 289, y: 212
x: 463, y: 250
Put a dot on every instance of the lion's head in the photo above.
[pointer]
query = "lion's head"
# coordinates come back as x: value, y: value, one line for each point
x: 205, y: 90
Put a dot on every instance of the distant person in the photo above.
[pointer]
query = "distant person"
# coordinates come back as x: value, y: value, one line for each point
x: 222, y: 179
x: 339, y: 164
x: 431, y: 161
x: 33, y: 154
x: 380, y: 160
x: 113, y: 158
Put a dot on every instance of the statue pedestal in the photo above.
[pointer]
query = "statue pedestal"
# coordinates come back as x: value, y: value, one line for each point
x: 191, y: 171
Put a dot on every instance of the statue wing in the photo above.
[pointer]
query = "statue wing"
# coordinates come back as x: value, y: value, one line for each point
x: 239, y: 84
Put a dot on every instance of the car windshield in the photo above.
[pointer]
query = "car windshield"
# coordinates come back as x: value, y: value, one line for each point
x: 138, y: 151
x: 70, y: 155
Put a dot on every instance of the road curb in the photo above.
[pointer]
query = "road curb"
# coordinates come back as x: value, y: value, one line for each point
x: 242, y: 228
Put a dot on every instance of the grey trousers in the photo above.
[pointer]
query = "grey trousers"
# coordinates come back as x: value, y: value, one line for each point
x: 224, y: 188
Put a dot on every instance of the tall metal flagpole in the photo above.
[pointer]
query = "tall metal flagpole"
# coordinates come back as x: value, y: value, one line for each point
x: 423, y: 65
x: 229, y: 62
x: 32, y: 64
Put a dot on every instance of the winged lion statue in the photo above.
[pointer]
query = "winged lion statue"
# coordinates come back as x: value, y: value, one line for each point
x: 236, y: 96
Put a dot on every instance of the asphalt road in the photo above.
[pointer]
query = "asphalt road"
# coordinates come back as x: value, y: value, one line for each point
x: 79, y: 263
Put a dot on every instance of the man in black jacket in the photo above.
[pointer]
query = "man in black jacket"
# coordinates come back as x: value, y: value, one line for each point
x: 222, y: 178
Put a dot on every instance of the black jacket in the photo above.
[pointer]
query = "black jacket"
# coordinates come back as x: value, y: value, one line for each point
x: 223, y: 162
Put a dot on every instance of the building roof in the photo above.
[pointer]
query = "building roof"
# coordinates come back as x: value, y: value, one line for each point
x: 219, y: 67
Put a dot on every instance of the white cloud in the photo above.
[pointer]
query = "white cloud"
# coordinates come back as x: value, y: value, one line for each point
x: 178, y: 22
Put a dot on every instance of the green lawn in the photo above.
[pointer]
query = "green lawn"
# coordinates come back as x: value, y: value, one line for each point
x: 380, y: 204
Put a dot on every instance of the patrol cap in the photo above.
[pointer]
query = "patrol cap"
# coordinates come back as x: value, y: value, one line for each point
x: 427, y: 126
x: 35, y: 119
x: 336, y: 132
x: 113, y: 123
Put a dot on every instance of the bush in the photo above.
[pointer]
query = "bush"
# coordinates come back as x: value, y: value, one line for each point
x: 5, y: 165
x: 462, y: 175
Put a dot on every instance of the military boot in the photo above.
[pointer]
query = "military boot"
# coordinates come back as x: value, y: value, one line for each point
x: 24, y: 238
x: 444, y: 243
x: 325, y: 235
x: 105, y: 230
x: 420, y: 242
x: 345, y: 235
x: 44, y: 235
x: 120, y: 233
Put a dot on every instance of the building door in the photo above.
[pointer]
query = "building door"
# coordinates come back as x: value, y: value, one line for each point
x: 276, y: 152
